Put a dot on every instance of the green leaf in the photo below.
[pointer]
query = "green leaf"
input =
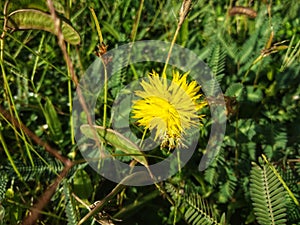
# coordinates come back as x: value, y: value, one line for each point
x: 282, y: 181
x: 184, y: 33
x: 70, y: 209
x: 110, y: 29
x: 198, y: 211
x: 115, y: 139
x: 234, y: 90
x: 53, y: 121
x: 2, y: 214
x: 34, y: 4
x: 223, y: 219
x: 253, y: 94
x: 3, y: 183
x: 267, y: 195
x: 83, y: 187
x: 33, y: 19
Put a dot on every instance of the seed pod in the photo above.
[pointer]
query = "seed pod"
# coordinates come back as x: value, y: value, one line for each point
x: 243, y: 10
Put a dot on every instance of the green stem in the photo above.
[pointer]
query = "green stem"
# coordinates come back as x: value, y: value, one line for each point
x: 136, y: 204
x: 143, y: 137
x: 35, y: 54
x: 164, y: 75
x: 105, y: 95
x: 71, y: 106
x: 13, y: 109
x: 9, y: 157
x: 133, y: 36
x: 70, y: 92
x: 105, y: 71
x: 4, y: 31
x: 137, y: 21
x: 281, y: 180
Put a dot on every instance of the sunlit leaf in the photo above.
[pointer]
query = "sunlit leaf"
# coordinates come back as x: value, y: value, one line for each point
x: 34, y: 4
x: 234, y: 90
x: 254, y: 94
x: 2, y: 213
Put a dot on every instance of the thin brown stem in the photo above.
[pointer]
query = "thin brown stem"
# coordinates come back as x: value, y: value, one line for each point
x: 33, y: 136
x: 45, y: 198
x: 35, y: 210
x: 67, y: 58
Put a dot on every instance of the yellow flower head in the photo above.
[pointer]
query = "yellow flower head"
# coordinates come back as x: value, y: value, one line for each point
x: 168, y: 109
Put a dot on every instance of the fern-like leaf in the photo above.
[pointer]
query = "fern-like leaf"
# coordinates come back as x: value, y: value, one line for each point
x: 229, y: 45
x: 41, y: 168
x: 293, y: 212
x: 194, y: 208
x: 248, y: 47
x: 212, y: 173
x: 216, y: 63
x: 217, y: 60
x: 3, y: 184
x: 198, y: 211
x: 173, y: 192
x: 70, y: 210
x: 267, y: 195
x: 227, y: 190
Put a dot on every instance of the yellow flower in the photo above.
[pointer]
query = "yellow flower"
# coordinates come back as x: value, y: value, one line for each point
x: 168, y: 109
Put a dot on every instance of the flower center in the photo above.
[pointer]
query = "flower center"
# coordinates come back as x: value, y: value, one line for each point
x: 165, y: 117
x: 168, y: 110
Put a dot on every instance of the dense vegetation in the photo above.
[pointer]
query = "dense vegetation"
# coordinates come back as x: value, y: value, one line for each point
x: 254, y: 54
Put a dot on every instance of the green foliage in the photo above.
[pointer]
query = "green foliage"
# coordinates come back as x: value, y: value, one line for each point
x: 290, y: 177
x: 195, y: 209
x: 268, y: 196
x: 28, y: 19
x: 53, y: 121
x: 82, y: 185
x: 217, y: 60
x: 41, y: 169
x: 29, y: 15
x: 115, y: 139
x: 198, y: 211
x: 33, y: 4
x: 234, y: 90
x: 2, y: 213
x: 3, y: 183
x: 70, y: 209
x: 254, y: 60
